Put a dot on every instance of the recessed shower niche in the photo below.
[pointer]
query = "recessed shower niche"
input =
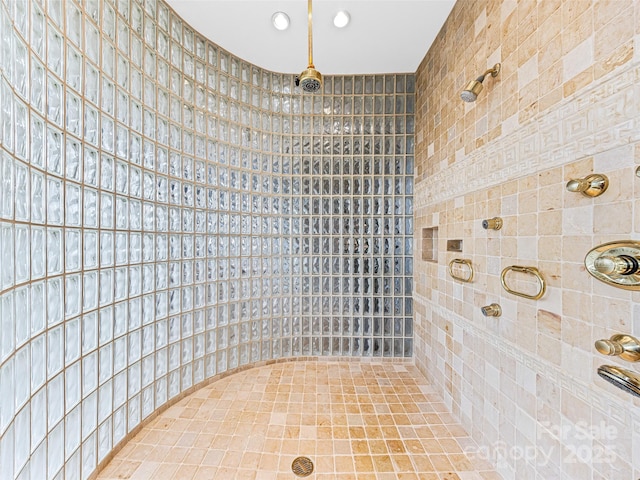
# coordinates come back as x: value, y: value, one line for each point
x: 430, y: 244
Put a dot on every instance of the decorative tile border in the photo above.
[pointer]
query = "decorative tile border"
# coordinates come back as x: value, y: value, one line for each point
x: 602, y: 117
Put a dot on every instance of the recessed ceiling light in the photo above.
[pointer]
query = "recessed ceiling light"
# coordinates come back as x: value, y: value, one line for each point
x: 280, y: 20
x: 341, y: 19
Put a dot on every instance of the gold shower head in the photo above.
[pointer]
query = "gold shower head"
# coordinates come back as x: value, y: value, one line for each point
x: 473, y: 88
x: 310, y: 79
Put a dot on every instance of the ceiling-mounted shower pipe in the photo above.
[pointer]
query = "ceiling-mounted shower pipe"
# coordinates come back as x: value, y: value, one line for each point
x: 310, y: 79
x: 473, y: 88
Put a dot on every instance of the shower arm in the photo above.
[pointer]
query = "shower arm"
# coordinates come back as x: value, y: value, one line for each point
x: 493, y: 71
x: 310, y: 36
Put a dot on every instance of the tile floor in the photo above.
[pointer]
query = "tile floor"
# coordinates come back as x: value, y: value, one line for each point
x: 353, y: 419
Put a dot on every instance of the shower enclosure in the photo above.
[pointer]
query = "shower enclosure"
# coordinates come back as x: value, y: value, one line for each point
x: 169, y: 212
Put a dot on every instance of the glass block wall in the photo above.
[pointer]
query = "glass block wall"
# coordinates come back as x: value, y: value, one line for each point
x: 169, y: 212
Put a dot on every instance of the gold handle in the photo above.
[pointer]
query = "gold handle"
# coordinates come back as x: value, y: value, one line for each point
x: 460, y: 261
x: 530, y: 270
x: 616, y: 263
x: 589, y: 186
x: 620, y: 265
x: 625, y: 346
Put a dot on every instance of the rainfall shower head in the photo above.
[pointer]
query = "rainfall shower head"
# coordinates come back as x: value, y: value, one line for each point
x: 310, y: 79
x: 473, y: 88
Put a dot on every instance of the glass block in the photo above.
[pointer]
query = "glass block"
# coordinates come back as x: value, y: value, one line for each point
x: 107, y: 134
x: 22, y: 439
x: 73, y: 250
x: 119, y: 425
x: 72, y: 209
x: 106, y: 211
x: 55, y: 453
x: 54, y: 251
x: 89, y: 374
x: 91, y: 121
x: 105, y: 323
x: 90, y: 293
x: 88, y: 432
x: 92, y: 42
x: 119, y: 389
x: 22, y: 252
x: 122, y: 79
x: 121, y: 284
x: 105, y: 397
x: 73, y: 295
x: 72, y: 430
x: 38, y: 422
x: 55, y: 49
x: 109, y: 21
x: 6, y: 105
x: 104, y: 440
x: 21, y: 129
x: 73, y: 160
x: 22, y: 385
x: 105, y: 363
x: 54, y: 101
x: 72, y: 341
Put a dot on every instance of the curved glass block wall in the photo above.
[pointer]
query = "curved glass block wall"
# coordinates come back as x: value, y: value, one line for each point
x: 169, y: 212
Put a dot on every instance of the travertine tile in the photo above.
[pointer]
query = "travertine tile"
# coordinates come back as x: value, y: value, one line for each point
x: 565, y: 105
x: 414, y: 438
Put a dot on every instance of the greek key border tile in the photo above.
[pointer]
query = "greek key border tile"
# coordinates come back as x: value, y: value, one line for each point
x: 605, y: 116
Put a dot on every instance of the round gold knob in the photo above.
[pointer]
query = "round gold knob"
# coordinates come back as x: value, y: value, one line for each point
x: 577, y: 185
x: 626, y: 346
x: 621, y: 265
x: 608, y: 347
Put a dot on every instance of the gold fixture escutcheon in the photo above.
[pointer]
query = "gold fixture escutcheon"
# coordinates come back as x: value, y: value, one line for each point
x: 616, y: 263
x: 590, y: 186
x: 624, y: 346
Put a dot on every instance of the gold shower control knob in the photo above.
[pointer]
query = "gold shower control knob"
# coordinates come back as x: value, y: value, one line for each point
x: 607, y: 347
x: 620, y: 265
x: 616, y: 263
x: 624, y: 346
x: 589, y: 186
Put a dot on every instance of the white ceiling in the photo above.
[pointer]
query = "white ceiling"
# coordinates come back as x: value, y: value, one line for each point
x: 383, y: 36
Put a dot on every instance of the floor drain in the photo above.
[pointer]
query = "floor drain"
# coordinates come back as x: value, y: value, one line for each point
x: 302, y: 466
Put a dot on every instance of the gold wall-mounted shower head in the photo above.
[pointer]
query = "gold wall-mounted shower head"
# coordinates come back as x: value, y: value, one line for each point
x: 473, y: 88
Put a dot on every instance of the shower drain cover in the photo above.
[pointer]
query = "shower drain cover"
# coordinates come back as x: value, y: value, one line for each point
x: 302, y: 466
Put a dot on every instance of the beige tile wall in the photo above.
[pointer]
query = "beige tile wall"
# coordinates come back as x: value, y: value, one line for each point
x: 566, y: 103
